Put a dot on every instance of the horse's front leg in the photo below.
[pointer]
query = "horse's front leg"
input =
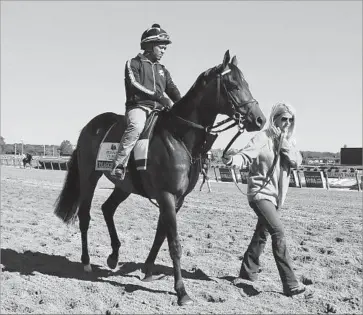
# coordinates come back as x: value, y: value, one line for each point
x: 168, y: 217
x: 160, y: 236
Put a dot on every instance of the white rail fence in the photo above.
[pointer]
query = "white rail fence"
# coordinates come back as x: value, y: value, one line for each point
x: 305, y: 176
x: 39, y: 162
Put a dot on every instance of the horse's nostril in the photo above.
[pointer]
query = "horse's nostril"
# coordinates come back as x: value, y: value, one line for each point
x: 259, y: 121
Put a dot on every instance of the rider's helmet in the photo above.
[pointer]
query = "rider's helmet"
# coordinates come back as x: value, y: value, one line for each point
x: 154, y: 34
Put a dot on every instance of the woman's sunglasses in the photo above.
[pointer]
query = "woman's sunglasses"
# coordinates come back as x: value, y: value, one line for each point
x: 285, y: 119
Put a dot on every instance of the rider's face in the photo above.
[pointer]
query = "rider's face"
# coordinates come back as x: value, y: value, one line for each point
x: 159, y: 51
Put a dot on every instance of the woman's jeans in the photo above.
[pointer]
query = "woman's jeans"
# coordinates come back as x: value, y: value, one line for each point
x: 268, y: 223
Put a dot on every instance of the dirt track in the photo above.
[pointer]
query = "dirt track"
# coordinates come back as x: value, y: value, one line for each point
x: 42, y: 273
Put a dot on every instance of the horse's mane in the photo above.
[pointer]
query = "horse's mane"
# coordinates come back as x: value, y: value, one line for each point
x: 201, y: 81
x: 188, y: 100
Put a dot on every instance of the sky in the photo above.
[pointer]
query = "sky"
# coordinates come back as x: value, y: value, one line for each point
x: 62, y: 62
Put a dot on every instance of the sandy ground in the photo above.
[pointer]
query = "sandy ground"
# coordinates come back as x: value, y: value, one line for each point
x: 42, y: 273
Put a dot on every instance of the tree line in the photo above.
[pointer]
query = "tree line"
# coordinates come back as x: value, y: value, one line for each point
x: 66, y: 149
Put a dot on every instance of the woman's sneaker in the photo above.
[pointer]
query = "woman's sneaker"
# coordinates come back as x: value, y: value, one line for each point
x: 295, y: 291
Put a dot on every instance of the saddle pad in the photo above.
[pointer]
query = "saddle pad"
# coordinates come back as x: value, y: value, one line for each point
x: 106, y: 155
x: 109, y: 146
x: 111, y: 141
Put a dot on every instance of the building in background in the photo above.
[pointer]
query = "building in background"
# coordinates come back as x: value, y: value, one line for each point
x: 351, y: 156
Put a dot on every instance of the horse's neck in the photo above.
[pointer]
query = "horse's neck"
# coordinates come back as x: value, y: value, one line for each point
x: 199, y: 111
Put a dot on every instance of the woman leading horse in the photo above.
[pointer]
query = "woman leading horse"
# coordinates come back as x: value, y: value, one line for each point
x: 180, y: 138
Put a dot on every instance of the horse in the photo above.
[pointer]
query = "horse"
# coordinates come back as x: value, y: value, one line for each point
x: 28, y: 158
x: 180, y: 137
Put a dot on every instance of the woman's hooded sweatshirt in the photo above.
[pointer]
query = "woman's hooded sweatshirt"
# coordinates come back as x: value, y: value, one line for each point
x: 259, y: 154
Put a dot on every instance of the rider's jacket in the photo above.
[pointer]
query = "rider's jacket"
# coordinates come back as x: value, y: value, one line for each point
x: 145, y: 83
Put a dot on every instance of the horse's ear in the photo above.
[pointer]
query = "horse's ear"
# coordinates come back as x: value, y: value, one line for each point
x: 226, y: 59
x: 234, y: 61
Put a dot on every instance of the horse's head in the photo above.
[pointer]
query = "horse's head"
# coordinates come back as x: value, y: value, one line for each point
x: 233, y: 95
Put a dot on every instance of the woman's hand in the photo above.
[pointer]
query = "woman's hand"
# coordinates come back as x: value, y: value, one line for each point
x: 227, y: 160
x: 276, y: 131
x: 234, y: 161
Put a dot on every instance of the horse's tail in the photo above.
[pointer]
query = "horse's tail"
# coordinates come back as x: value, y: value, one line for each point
x: 66, y: 205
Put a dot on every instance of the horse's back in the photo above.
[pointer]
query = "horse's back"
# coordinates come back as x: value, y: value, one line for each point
x: 103, y: 121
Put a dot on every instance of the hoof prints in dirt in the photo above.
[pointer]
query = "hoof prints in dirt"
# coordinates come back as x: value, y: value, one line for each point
x: 330, y: 308
x: 306, y: 280
x: 213, y: 299
x: 323, y: 250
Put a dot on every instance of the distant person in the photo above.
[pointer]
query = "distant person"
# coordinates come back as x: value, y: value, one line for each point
x: 27, y: 158
x: 146, y: 80
x: 204, y: 170
x: 266, y: 197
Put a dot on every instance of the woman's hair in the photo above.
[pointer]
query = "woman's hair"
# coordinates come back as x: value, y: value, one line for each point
x: 279, y: 109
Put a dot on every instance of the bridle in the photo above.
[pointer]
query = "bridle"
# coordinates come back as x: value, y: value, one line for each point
x: 237, y: 118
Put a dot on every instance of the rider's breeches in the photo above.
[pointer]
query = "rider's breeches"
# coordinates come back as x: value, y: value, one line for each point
x: 269, y: 222
x: 135, y: 122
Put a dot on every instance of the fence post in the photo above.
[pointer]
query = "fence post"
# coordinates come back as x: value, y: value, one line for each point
x: 357, y: 178
x: 326, y: 179
x: 215, y: 174
x: 299, y: 177
x: 235, y: 175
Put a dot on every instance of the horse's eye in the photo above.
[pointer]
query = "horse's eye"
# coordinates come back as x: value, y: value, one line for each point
x: 233, y: 87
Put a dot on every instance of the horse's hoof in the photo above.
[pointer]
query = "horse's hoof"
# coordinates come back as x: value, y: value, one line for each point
x: 87, y: 268
x: 148, y: 279
x: 185, y: 300
x: 112, y: 262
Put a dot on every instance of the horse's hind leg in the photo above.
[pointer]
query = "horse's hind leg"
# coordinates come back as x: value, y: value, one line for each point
x: 160, y: 236
x: 108, y: 209
x: 86, y: 196
x: 168, y: 217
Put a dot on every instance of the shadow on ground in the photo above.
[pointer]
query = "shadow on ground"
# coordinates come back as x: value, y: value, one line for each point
x: 29, y: 262
x: 247, y: 288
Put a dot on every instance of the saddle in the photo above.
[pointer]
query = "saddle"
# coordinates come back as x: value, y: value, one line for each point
x: 111, y: 141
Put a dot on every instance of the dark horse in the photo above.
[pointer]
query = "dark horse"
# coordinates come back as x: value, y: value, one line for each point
x: 173, y: 168
x: 28, y: 158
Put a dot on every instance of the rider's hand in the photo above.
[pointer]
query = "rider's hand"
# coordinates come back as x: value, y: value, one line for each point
x: 166, y: 103
x: 162, y: 100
